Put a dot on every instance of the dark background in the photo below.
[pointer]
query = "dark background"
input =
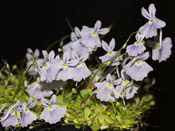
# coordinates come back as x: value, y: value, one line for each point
x: 37, y: 24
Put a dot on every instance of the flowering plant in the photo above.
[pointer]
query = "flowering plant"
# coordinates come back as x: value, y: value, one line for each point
x: 73, y: 86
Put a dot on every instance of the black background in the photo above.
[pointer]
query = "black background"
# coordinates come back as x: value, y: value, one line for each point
x: 37, y: 24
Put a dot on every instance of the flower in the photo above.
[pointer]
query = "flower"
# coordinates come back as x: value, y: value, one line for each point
x: 27, y: 116
x: 163, y: 52
x: 38, y: 90
x: 33, y: 59
x: 137, y: 68
x: 105, y: 89
x: 49, y: 70
x: 52, y: 112
x: 76, y: 34
x: 126, y: 89
x: 161, y: 49
x: 110, y: 53
x: 86, y: 40
x: 76, y: 43
x: 80, y: 71
x: 150, y: 28
x: 138, y: 47
x: 10, y: 116
x: 65, y: 71
x: 90, y: 36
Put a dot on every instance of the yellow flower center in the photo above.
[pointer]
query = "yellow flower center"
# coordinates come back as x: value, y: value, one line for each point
x: 109, y: 85
x: 40, y: 85
x: 50, y: 107
x: 137, y: 43
x: 13, y: 112
x: 64, y: 65
x: 80, y: 63
x: 138, y: 62
x: 157, y: 45
x: 26, y: 109
x: 45, y: 65
x: 110, y: 52
x: 125, y: 82
x: 94, y: 32
x: 151, y: 20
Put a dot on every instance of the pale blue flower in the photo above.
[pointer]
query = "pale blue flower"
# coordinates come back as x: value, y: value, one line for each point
x: 138, y: 47
x: 49, y: 70
x: 90, y: 36
x: 106, y: 88
x: 80, y: 71
x: 161, y: 50
x: 27, y: 116
x: 150, y: 28
x: 86, y: 40
x: 126, y: 89
x: 137, y: 68
x: 65, y: 72
x: 76, y: 34
x: 38, y: 90
x: 10, y: 116
x: 52, y: 112
x: 76, y: 43
x: 80, y: 48
x: 110, y: 53
x: 34, y: 60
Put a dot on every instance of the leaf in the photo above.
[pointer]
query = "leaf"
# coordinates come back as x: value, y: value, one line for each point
x: 74, y: 90
x: 95, y: 125
x: 87, y: 112
x: 85, y: 93
x: 101, y: 118
x: 109, y: 120
x: 78, y: 102
x: 118, y: 118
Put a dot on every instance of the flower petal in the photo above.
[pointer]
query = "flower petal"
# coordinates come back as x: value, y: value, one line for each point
x: 66, y: 56
x: 145, y: 13
x: 51, y: 55
x: 152, y: 10
x: 112, y: 44
x: 84, y: 57
x: 103, y: 31
x: 45, y: 54
x: 105, y: 46
x: 36, y: 53
x: 45, y: 102
x: 109, y: 78
x: 97, y: 25
x: 53, y: 99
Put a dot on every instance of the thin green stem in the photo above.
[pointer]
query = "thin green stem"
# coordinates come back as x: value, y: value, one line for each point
x: 26, y: 71
x: 115, y: 56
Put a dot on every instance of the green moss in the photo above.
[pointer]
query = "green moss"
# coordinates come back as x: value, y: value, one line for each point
x: 83, y: 108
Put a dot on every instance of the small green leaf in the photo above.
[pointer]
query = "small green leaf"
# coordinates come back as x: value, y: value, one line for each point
x: 101, y: 118
x: 74, y: 90
x: 118, y: 118
x: 109, y: 120
x: 85, y: 93
x: 87, y: 112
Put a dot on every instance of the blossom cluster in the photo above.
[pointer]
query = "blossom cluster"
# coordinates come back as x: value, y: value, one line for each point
x: 53, y: 71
